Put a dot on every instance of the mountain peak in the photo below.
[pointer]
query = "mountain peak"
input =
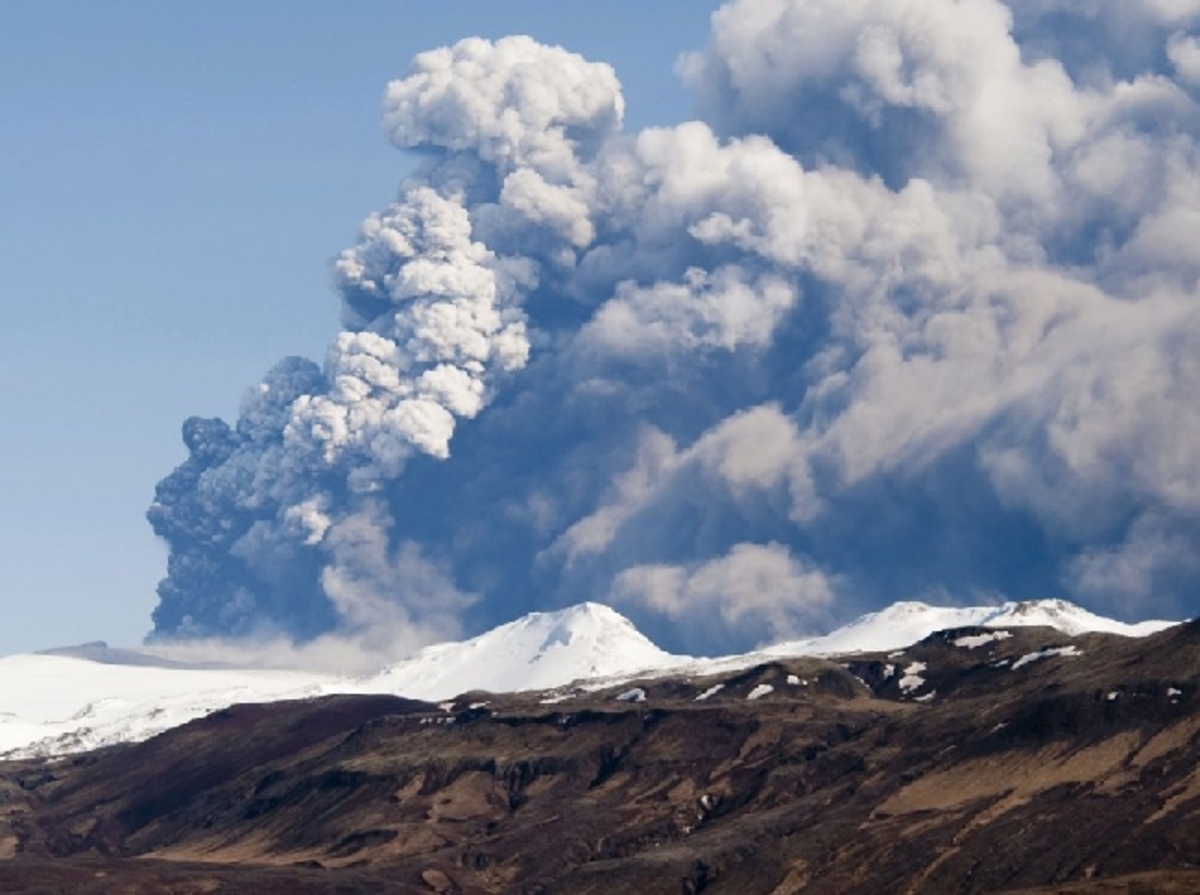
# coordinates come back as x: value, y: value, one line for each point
x: 1067, y: 617
x: 585, y: 625
x: 538, y: 651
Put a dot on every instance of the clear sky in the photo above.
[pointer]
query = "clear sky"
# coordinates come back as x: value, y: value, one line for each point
x: 175, y: 179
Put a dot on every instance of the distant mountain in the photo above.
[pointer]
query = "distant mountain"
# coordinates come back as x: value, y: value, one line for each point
x: 902, y: 624
x: 536, y: 652
x: 81, y: 698
x: 100, y: 652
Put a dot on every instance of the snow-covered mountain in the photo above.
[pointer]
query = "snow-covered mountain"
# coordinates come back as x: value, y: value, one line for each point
x: 903, y: 624
x: 536, y: 652
x: 62, y: 702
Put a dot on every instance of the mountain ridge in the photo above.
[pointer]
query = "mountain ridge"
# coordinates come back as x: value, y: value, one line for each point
x: 66, y: 701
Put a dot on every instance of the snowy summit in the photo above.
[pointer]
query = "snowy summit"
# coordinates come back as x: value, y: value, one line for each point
x: 903, y: 624
x: 538, y: 651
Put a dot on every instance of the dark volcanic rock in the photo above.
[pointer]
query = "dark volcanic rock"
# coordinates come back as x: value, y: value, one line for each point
x: 1036, y: 763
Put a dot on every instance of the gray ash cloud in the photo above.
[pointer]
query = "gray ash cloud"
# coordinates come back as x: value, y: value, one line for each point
x: 910, y: 311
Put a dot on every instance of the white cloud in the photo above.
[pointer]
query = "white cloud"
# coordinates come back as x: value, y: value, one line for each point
x: 515, y: 102
x: 754, y: 587
x: 1184, y: 53
x: 707, y: 310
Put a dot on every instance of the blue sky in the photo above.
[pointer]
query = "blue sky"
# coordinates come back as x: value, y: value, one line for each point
x: 175, y: 181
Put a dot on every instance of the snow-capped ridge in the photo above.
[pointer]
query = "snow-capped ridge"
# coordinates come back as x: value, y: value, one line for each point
x: 1069, y: 618
x: 905, y: 623
x: 59, y: 703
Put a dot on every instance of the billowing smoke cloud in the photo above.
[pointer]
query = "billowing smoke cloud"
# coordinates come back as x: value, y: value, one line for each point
x: 910, y: 311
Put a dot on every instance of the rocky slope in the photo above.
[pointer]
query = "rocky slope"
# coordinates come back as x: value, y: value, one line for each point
x: 978, y: 760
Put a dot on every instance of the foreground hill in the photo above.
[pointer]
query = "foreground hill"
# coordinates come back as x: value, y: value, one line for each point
x: 981, y: 759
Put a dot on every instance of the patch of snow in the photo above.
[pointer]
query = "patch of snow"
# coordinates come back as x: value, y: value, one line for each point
x: 760, y: 691
x: 1070, y: 650
x: 888, y: 670
x: 711, y: 691
x: 928, y: 697
x: 974, y: 641
x: 1113, y: 695
x: 637, y: 694
x: 912, y: 679
x: 793, y: 680
x: 1171, y: 691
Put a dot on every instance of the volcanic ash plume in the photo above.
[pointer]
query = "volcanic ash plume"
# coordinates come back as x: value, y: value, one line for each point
x: 911, y: 312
